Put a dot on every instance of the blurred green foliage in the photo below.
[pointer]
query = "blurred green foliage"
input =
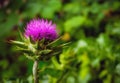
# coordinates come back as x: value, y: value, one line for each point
x: 93, y: 27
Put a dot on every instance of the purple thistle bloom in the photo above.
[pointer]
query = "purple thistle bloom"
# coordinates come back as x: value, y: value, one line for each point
x: 38, y: 29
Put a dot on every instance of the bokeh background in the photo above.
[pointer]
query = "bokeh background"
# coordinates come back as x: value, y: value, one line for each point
x: 92, y: 27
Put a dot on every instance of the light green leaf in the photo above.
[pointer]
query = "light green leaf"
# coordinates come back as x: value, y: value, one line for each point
x: 74, y: 23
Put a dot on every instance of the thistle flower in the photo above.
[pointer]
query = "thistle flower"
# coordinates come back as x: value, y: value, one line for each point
x: 38, y: 29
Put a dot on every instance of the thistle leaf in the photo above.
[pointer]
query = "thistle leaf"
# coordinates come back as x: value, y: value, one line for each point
x: 55, y: 53
x: 40, y: 43
x: 21, y: 35
x: 54, y: 41
x: 65, y: 44
x: 29, y: 57
x: 18, y: 43
x: 24, y: 50
x: 44, y: 51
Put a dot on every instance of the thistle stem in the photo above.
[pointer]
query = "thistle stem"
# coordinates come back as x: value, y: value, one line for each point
x: 35, y: 71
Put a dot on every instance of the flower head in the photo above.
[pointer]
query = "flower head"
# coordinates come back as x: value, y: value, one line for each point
x: 38, y: 29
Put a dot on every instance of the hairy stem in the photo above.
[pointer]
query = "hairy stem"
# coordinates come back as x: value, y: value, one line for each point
x: 35, y: 71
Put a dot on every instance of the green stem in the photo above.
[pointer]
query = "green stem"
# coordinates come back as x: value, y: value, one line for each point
x: 35, y: 71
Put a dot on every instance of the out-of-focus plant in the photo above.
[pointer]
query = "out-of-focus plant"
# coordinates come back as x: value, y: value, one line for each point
x: 93, y: 26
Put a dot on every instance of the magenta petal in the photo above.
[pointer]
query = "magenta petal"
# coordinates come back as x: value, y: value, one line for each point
x: 38, y: 29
